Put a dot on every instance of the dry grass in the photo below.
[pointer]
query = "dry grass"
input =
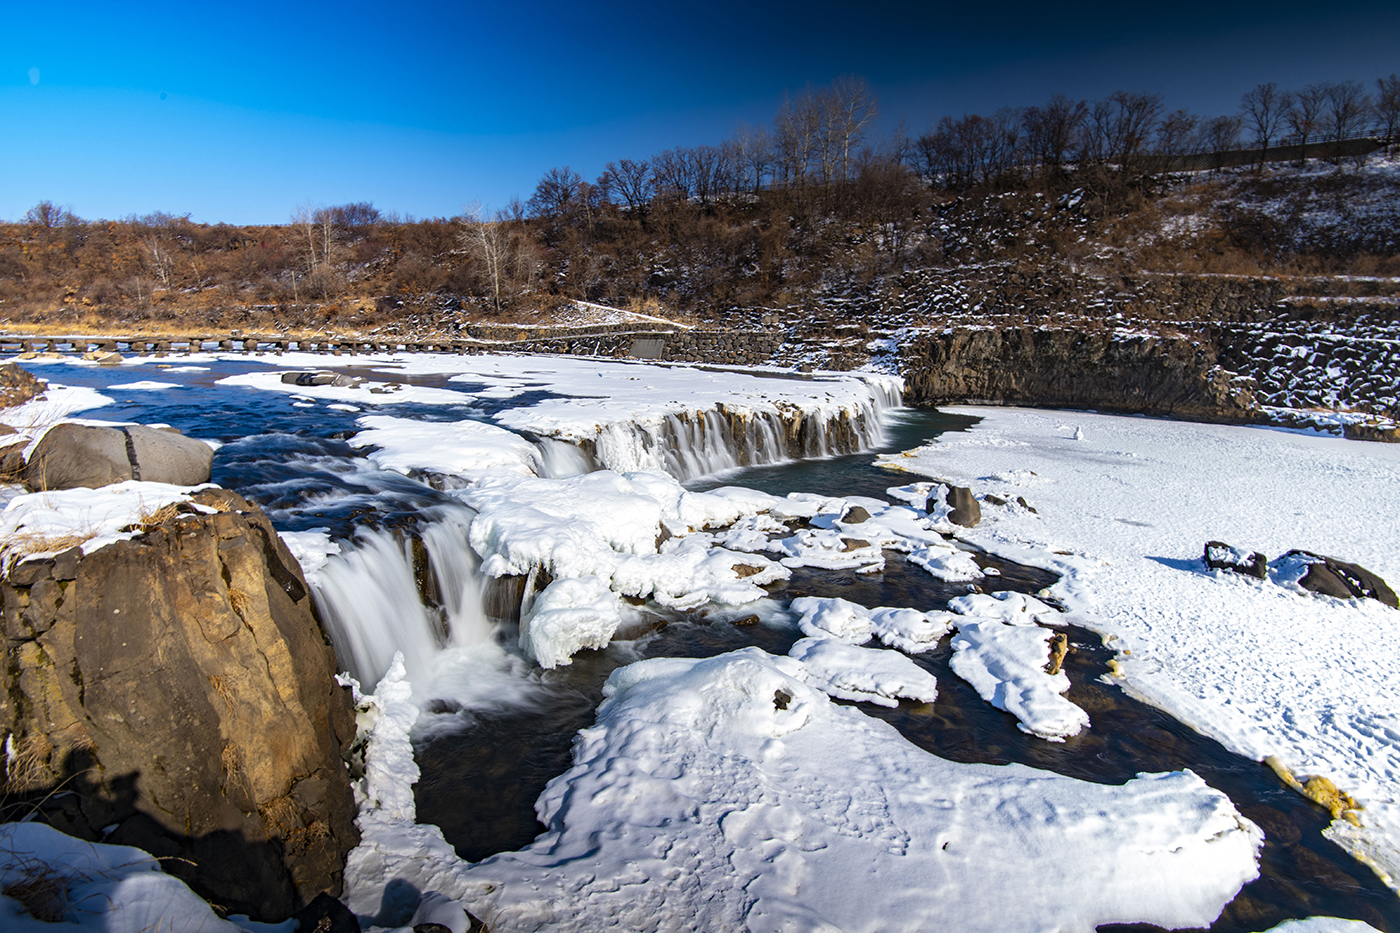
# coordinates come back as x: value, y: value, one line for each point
x: 149, y: 519
x: 239, y: 602
x: 33, y: 542
x: 26, y: 765
x: 225, y: 693
x: 41, y: 891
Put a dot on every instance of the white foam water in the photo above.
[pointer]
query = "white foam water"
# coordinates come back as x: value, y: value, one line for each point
x: 370, y: 598
x: 697, y: 444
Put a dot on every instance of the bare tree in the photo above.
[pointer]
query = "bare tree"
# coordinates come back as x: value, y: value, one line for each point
x: 555, y: 191
x: 1221, y: 134
x: 1387, y: 108
x: 1346, y: 105
x: 671, y: 174
x: 1133, y: 117
x: 1176, y: 134
x: 161, y: 259
x: 756, y: 151
x: 798, y: 128
x: 1263, y: 109
x: 1050, y: 130
x: 486, y: 240
x: 631, y: 179
x: 1305, y: 114
x: 49, y: 216
x: 850, y: 110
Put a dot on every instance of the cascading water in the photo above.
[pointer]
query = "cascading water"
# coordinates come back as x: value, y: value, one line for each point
x: 697, y: 444
x: 379, y: 597
x: 372, y: 601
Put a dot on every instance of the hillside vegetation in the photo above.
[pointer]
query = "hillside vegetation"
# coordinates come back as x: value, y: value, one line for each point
x: 810, y: 217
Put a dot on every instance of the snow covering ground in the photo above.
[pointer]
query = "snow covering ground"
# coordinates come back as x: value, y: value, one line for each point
x: 52, y: 878
x: 1124, y: 511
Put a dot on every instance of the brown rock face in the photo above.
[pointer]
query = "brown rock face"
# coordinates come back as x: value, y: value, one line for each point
x: 181, y: 685
x: 1060, y: 367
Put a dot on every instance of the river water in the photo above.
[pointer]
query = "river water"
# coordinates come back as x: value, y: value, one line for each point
x: 484, y: 763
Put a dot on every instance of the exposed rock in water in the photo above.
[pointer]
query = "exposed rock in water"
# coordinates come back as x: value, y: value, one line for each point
x: 1333, y: 577
x: 321, y: 378
x: 963, y: 508
x: 180, y: 685
x: 73, y: 455
x: 1221, y: 556
x: 1163, y: 375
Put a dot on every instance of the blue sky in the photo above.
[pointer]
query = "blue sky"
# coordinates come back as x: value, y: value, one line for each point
x: 242, y: 112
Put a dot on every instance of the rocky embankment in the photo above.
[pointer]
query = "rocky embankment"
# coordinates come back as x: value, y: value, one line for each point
x: 1172, y: 376
x: 175, y: 692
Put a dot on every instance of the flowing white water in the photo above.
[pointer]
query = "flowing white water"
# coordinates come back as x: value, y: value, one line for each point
x: 371, y: 601
x: 375, y: 602
x: 696, y: 444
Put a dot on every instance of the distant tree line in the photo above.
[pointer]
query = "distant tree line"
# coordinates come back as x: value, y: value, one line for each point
x: 814, y: 198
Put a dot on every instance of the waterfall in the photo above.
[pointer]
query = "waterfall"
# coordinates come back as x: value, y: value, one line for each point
x: 692, y: 444
x: 422, y: 593
x: 386, y: 592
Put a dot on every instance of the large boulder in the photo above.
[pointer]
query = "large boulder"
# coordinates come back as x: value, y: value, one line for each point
x: 73, y: 455
x: 18, y: 385
x: 180, y: 685
x: 1331, y: 576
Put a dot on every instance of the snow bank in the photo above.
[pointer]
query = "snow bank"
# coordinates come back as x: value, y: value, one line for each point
x: 906, y: 629
x: 92, y: 886
x: 1006, y: 666
x: 570, y: 615
x: 43, y: 523
x: 55, y: 404
x: 366, y: 393
x: 458, y: 448
x: 1124, y: 513
x: 868, y: 675
x: 727, y: 793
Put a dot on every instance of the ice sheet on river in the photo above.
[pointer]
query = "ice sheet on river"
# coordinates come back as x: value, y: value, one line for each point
x: 727, y: 793
x: 1124, y: 510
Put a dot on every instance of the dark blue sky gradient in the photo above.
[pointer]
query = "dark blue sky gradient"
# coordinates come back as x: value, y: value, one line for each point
x: 425, y: 108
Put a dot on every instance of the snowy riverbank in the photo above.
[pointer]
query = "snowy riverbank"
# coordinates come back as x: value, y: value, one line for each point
x: 1123, y: 509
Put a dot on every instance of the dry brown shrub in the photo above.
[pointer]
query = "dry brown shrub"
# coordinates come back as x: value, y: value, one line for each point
x: 151, y: 519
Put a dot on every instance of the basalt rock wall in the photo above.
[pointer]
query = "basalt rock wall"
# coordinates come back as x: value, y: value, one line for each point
x: 175, y: 692
x: 1172, y: 376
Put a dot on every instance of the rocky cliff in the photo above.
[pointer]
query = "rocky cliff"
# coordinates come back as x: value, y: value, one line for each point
x: 1173, y: 376
x: 175, y: 692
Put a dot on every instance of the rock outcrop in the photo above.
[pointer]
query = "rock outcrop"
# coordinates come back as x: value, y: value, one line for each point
x: 73, y: 455
x: 1060, y: 367
x: 179, y: 684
